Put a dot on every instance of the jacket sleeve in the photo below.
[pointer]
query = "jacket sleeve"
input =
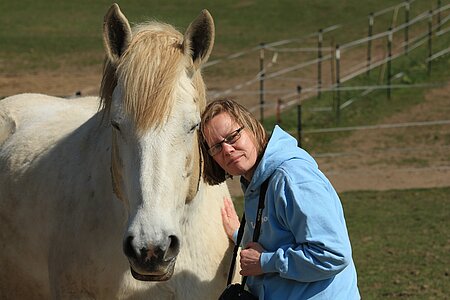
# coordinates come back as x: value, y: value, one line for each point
x: 312, y: 212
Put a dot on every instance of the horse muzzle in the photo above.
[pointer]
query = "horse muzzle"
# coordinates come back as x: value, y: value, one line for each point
x: 153, y: 277
x: 153, y: 263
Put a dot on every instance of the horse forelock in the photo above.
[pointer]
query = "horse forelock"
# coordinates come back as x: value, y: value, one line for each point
x: 148, y: 72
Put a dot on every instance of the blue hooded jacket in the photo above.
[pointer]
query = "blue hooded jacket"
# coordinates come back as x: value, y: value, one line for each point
x: 307, y: 249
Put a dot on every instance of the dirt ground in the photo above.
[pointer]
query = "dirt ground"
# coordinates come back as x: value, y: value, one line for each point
x: 374, y: 159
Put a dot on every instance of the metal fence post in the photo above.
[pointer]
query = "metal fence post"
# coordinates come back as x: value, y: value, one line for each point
x: 319, y: 63
x: 389, y: 61
x: 438, y: 28
x: 299, y: 117
x: 338, y: 84
x: 278, y: 113
x: 407, y: 8
x: 430, y: 36
x: 333, y: 64
x: 369, y: 43
x: 261, y: 82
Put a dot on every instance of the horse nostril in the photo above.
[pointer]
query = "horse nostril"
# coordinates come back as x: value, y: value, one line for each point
x: 128, y: 247
x: 166, y: 253
x: 174, y: 248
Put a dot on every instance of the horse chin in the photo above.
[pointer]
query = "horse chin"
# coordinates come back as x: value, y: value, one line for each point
x: 154, y: 277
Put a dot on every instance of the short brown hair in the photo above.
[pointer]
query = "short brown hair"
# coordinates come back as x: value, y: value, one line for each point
x: 213, y: 173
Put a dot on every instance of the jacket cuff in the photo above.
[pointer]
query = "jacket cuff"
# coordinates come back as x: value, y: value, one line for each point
x: 268, y: 262
x: 234, y: 237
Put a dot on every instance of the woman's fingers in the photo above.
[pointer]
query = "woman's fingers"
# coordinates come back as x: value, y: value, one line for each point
x: 250, y: 260
x: 229, y: 218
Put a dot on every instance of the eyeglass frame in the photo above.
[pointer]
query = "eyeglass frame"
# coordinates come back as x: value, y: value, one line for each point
x: 226, y: 140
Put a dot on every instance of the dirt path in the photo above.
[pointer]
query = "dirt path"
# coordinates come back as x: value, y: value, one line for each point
x: 398, y: 158
x: 58, y: 83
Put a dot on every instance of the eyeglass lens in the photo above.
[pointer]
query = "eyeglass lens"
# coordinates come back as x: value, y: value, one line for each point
x: 230, y: 140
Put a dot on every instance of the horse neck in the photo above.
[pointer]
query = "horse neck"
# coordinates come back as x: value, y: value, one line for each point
x: 205, y: 207
x: 98, y: 134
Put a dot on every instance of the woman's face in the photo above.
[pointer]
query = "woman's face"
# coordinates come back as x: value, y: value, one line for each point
x: 238, y: 159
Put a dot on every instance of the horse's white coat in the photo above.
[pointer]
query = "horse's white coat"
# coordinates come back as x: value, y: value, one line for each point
x: 62, y: 228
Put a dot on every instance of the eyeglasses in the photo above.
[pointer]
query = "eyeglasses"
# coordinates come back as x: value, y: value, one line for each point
x: 230, y: 140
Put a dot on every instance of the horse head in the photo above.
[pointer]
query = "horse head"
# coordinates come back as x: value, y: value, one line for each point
x: 153, y: 94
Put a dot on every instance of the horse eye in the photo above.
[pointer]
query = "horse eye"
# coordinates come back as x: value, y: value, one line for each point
x: 115, y: 125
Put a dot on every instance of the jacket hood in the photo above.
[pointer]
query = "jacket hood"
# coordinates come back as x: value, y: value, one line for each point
x: 280, y: 148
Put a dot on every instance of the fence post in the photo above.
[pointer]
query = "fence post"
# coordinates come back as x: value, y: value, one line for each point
x: 261, y: 82
x: 369, y: 43
x: 407, y: 8
x: 333, y: 64
x: 338, y: 84
x: 333, y: 70
x: 319, y: 63
x: 299, y: 117
x: 388, y: 75
x: 279, y: 103
x: 438, y: 28
x: 430, y: 36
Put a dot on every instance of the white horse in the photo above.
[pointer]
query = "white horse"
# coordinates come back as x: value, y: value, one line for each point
x: 68, y: 230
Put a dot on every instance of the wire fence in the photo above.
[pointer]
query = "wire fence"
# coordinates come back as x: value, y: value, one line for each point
x: 275, y: 87
x: 324, y: 69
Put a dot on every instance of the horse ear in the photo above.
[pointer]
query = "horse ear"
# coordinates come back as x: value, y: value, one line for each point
x: 199, y: 38
x: 116, y: 33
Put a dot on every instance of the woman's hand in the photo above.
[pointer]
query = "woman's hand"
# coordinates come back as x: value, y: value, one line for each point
x: 230, y: 218
x: 250, y: 264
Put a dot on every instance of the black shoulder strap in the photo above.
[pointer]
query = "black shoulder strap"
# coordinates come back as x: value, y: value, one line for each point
x: 236, y: 249
x: 256, y: 232
x: 262, y: 196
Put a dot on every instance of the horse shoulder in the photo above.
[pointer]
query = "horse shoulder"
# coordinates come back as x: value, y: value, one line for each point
x: 34, y: 122
x: 7, y: 127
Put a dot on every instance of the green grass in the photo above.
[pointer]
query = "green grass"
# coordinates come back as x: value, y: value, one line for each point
x: 41, y: 34
x: 400, y: 241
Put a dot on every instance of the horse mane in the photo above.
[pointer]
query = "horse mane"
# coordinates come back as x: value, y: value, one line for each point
x: 148, y: 71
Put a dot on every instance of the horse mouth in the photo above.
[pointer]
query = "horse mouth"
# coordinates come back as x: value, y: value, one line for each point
x: 164, y: 276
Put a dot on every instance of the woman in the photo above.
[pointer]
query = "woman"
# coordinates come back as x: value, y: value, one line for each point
x: 304, y: 250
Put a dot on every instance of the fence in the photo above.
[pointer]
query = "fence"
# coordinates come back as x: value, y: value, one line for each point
x: 342, y: 62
